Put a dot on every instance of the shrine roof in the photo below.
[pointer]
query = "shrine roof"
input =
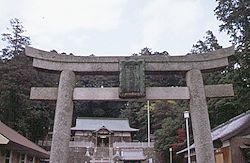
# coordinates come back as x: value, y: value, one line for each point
x: 94, y: 124
x: 238, y: 125
x: 18, y: 142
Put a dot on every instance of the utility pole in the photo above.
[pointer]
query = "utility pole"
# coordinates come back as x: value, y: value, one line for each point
x: 186, y: 116
x: 148, y: 124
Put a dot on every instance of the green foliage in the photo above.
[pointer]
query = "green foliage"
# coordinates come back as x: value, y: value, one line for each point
x: 223, y: 109
x: 17, y: 76
x: 30, y: 118
x: 209, y: 44
x: 216, y: 107
x: 136, y: 114
x: 235, y: 18
x: 168, y: 126
x: 97, y: 108
x: 147, y: 51
x: 167, y: 134
x: 15, y: 39
x: 166, y: 123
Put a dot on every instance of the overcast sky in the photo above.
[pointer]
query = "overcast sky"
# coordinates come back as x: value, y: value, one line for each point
x: 113, y: 27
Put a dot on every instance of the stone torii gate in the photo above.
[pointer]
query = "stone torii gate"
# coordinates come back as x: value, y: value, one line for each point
x: 131, y: 67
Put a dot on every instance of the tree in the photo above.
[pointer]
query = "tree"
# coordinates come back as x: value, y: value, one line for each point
x: 234, y: 15
x: 17, y: 76
x: 221, y: 110
x: 148, y: 51
x: 134, y: 112
x: 210, y: 44
x: 235, y: 20
x: 15, y: 39
x: 10, y: 82
x: 215, y: 106
x: 168, y: 124
x: 203, y: 46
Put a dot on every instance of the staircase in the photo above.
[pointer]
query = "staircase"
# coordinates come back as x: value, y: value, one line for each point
x: 101, y: 155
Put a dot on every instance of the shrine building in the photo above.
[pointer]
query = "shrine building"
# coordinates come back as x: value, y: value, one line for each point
x: 106, y: 140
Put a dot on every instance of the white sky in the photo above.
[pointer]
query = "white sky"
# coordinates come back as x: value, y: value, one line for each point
x: 113, y: 27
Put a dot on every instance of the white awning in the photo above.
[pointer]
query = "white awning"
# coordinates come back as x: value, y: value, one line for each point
x: 135, y: 158
x: 3, y: 140
x: 132, y: 155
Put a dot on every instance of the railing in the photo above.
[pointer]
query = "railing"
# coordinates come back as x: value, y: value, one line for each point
x: 91, y: 144
x: 71, y: 143
x: 132, y: 145
x: 81, y: 144
x: 106, y: 154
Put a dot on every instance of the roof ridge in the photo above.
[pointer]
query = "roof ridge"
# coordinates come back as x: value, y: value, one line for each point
x: 24, y: 140
x: 231, y: 120
x: 104, y: 118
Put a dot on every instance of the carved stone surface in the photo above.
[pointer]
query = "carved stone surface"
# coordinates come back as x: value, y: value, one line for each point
x: 200, y: 119
x: 63, y: 118
x: 132, y: 79
x: 112, y: 93
x: 101, y: 65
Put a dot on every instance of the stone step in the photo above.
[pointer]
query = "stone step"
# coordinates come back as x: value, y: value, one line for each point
x: 100, y: 161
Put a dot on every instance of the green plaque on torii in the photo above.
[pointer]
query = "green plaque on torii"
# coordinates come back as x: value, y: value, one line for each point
x: 132, y: 79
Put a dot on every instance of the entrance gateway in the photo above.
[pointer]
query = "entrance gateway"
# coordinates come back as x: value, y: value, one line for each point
x: 131, y: 70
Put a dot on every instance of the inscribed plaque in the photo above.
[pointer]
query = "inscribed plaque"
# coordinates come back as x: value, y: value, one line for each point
x: 132, y: 79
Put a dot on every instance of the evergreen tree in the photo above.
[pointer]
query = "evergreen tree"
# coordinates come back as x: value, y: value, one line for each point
x: 221, y: 110
x: 235, y: 20
x: 17, y: 76
x: 148, y: 51
x: 216, y: 107
x: 210, y: 44
x: 15, y: 39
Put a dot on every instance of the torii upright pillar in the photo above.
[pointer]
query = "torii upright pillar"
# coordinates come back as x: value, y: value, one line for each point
x: 63, y: 118
x: 200, y: 118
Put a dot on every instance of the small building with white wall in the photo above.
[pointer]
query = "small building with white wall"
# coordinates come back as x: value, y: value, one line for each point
x: 15, y: 148
x: 231, y: 141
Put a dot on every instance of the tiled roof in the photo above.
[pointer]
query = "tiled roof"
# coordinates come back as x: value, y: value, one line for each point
x: 16, y: 138
x: 94, y: 124
x: 232, y: 127
x: 229, y: 129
